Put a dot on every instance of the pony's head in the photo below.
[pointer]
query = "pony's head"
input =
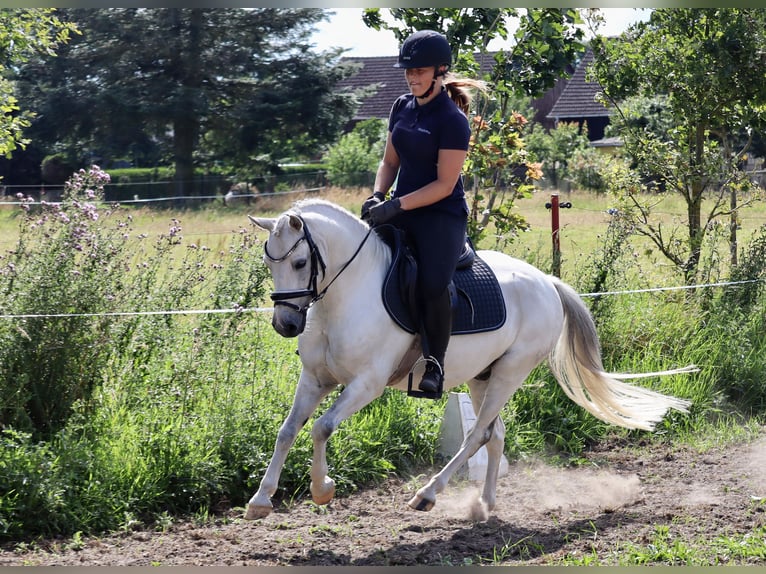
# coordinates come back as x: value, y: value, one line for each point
x: 295, y: 258
x: 295, y: 263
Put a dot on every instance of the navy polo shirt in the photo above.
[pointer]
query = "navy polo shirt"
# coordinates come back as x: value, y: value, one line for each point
x: 418, y: 132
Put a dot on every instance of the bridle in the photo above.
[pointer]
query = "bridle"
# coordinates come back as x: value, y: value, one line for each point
x: 317, y: 263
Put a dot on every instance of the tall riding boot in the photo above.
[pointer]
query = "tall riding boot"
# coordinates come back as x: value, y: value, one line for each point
x: 437, y: 324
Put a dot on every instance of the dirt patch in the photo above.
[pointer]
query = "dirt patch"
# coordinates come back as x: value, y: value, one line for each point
x: 618, y: 496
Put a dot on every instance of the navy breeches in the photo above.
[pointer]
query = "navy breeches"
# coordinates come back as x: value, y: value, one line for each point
x: 437, y: 238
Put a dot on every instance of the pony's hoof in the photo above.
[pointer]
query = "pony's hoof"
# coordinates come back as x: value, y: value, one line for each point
x: 323, y: 493
x: 419, y: 503
x: 254, y: 512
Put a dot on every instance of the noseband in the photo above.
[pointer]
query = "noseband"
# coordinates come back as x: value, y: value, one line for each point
x: 317, y: 263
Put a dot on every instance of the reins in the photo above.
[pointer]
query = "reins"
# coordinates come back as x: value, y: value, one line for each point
x: 283, y: 297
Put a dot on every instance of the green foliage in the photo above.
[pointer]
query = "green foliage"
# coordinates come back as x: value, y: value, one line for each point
x: 556, y: 148
x: 24, y: 34
x: 81, y: 264
x: 703, y: 68
x: 353, y: 161
x: 587, y: 167
x: 194, y: 86
x: 140, y: 174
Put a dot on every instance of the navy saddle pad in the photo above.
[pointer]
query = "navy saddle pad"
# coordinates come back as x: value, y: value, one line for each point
x: 477, y: 301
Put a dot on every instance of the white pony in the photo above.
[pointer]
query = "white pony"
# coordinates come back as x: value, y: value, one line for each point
x: 328, y: 269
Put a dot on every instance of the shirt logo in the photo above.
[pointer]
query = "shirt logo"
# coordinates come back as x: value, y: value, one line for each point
x: 424, y: 130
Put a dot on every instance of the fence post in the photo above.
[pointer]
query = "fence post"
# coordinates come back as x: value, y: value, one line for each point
x: 556, y: 267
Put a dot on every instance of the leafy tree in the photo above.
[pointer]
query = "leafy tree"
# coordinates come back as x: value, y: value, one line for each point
x: 709, y: 67
x: 24, y: 34
x: 352, y: 161
x: 196, y: 86
x: 544, y: 46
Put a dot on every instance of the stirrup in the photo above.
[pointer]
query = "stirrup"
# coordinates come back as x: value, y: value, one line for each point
x: 426, y: 394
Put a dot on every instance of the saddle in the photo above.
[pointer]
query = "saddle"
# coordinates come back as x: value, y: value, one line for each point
x: 477, y: 301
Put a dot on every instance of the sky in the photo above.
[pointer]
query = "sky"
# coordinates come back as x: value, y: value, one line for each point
x: 346, y: 30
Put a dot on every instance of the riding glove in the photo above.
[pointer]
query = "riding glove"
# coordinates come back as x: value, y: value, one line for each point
x: 375, y: 199
x: 384, y: 211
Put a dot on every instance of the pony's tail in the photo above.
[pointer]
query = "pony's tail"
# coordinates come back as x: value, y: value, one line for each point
x: 576, y: 363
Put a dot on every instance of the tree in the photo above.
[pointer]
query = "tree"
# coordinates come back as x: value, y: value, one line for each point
x: 709, y: 66
x: 555, y: 148
x: 197, y: 85
x: 24, y: 34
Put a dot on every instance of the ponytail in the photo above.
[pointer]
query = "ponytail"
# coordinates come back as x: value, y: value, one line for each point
x: 460, y: 90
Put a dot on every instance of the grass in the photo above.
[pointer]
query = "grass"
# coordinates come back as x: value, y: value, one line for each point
x: 181, y: 412
x: 667, y: 549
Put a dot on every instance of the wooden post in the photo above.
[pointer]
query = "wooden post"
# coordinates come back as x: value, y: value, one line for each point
x: 556, y: 268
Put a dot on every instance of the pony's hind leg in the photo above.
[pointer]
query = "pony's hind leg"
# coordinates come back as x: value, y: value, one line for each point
x: 508, y: 374
x: 494, y: 446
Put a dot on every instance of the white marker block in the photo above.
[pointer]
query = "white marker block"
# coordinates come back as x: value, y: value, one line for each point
x: 459, y: 419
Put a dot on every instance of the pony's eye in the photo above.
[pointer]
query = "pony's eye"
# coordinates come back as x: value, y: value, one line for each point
x: 299, y: 264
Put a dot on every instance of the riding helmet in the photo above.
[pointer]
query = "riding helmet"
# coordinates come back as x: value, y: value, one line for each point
x: 423, y: 49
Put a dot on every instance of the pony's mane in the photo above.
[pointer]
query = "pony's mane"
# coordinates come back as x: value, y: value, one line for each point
x: 322, y: 207
x: 337, y: 213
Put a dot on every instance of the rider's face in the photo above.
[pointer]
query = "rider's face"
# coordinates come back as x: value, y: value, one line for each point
x: 419, y: 79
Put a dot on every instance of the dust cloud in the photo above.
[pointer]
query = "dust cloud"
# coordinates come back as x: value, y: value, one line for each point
x: 533, y: 487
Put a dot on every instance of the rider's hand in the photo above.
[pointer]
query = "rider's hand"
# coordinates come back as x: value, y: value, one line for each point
x: 375, y: 199
x: 384, y: 211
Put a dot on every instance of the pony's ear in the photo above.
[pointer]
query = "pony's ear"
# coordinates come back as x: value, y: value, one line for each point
x: 295, y: 222
x: 266, y: 223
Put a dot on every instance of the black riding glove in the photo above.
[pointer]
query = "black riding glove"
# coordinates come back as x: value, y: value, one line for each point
x: 384, y: 211
x: 375, y: 199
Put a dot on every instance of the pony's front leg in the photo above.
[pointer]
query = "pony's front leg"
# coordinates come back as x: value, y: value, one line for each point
x: 308, y: 395
x: 353, y: 398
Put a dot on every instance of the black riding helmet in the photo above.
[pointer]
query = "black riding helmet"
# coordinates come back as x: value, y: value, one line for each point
x: 424, y: 48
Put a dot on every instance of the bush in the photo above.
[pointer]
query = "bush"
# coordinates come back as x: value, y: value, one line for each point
x: 353, y: 161
x: 555, y: 148
x: 74, y: 266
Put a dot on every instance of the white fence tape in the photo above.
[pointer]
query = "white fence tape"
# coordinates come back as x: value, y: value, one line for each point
x: 270, y: 309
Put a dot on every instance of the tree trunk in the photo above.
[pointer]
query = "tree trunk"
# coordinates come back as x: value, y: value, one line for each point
x: 694, y: 206
x: 186, y: 120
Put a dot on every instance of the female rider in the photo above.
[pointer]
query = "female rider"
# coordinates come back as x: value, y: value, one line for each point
x: 426, y: 146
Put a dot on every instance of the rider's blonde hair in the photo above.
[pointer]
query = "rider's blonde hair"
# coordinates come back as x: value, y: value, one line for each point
x: 461, y: 89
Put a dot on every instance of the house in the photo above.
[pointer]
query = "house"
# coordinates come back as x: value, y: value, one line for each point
x: 389, y: 84
x: 578, y: 102
x: 569, y: 100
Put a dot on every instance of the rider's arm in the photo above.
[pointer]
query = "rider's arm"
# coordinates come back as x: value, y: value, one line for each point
x: 388, y: 169
x: 447, y: 172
